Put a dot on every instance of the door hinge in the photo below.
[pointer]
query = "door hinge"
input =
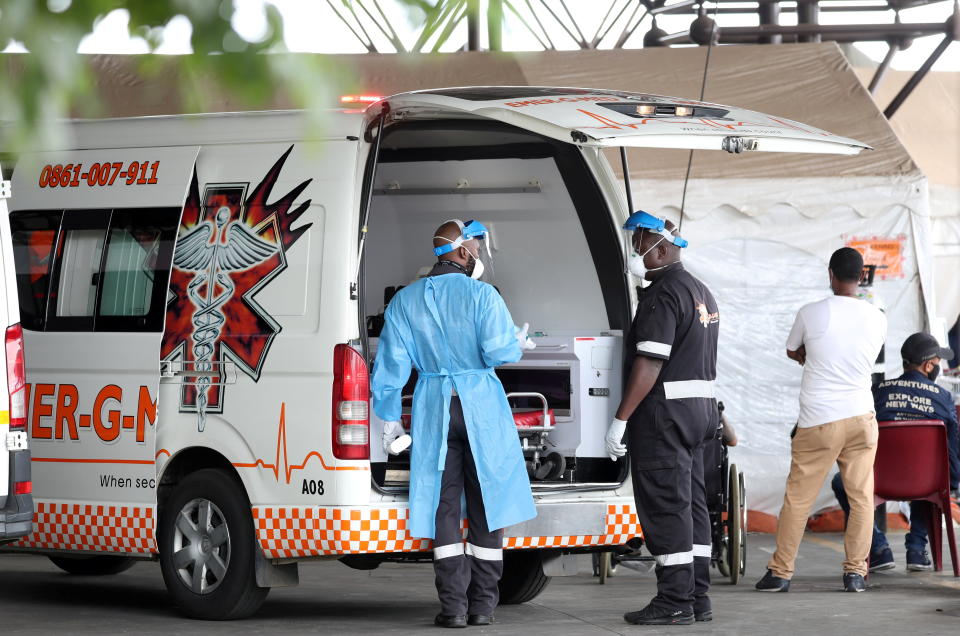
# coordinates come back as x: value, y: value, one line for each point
x: 17, y: 441
x: 5, y: 190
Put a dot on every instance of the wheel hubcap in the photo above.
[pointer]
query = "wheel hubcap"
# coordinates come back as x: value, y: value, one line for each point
x: 201, y: 546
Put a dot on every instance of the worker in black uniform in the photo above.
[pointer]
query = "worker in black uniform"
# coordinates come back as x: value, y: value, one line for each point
x: 669, y: 411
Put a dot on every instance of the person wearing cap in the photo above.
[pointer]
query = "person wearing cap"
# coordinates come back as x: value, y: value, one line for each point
x: 669, y: 411
x: 454, y: 329
x: 836, y: 340
x: 913, y: 396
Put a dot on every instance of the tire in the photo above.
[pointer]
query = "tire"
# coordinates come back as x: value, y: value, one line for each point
x: 743, y: 525
x: 735, y: 538
x: 100, y: 565
x: 523, y: 578
x: 224, y: 587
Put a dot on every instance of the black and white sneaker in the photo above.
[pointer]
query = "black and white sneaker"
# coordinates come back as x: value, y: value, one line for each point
x: 882, y: 560
x: 653, y: 615
x: 853, y: 582
x: 918, y: 561
x: 772, y: 583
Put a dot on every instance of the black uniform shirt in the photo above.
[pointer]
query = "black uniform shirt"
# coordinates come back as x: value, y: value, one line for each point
x: 677, y: 321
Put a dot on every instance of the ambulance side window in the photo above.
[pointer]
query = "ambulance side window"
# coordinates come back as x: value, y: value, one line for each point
x: 71, y: 305
x: 136, y: 270
x: 94, y: 270
x: 34, y: 236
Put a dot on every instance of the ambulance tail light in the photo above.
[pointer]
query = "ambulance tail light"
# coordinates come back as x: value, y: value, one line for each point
x: 16, y: 377
x: 351, y: 404
x: 23, y: 488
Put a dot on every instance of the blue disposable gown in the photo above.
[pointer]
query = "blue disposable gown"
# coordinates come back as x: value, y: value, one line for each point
x: 454, y: 330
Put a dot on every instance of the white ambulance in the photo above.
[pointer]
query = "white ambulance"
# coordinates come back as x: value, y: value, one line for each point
x: 16, y: 502
x: 201, y: 298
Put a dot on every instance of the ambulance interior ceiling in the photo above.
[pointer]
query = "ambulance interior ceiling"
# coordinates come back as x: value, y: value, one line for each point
x: 542, y: 264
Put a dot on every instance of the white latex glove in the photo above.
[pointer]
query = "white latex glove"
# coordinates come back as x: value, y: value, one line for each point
x: 615, y: 445
x: 391, y: 431
x: 522, y: 339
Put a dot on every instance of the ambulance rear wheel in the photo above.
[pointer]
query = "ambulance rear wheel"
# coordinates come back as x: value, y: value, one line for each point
x: 207, y: 548
x: 523, y: 578
x: 100, y: 565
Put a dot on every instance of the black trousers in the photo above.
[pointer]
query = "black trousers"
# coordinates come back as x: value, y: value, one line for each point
x: 666, y: 440
x: 466, y: 573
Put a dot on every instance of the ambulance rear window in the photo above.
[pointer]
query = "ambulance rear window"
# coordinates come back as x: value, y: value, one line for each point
x: 34, y: 235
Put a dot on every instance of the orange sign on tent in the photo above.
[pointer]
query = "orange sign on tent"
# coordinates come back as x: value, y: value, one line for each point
x: 885, y: 253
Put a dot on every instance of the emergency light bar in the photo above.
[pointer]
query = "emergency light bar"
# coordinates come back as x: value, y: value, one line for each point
x: 360, y: 99
x: 667, y: 110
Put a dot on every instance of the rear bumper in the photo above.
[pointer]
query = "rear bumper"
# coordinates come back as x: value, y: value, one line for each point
x: 16, y: 511
x: 293, y: 532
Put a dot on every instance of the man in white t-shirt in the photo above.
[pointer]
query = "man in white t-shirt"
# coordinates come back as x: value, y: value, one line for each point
x: 837, y: 341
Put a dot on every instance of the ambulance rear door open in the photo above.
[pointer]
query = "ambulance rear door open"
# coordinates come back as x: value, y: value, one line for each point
x: 605, y: 118
x: 94, y: 233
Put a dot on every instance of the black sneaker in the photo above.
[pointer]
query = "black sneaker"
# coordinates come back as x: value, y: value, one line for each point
x: 772, y: 583
x: 450, y: 620
x: 853, y: 582
x: 918, y: 561
x: 702, y: 610
x: 653, y: 615
x: 882, y: 560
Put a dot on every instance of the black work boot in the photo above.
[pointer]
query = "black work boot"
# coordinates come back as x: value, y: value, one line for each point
x: 450, y: 620
x: 772, y: 583
x: 480, y: 619
x: 654, y: 615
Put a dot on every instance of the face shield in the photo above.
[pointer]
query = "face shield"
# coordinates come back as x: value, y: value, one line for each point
x: 649, y: 224
x: 474, y: 237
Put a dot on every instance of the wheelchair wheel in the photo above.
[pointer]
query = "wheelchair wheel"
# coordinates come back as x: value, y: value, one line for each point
x: 603, y: 566
x: 743, y: 524
x: 735, y: 539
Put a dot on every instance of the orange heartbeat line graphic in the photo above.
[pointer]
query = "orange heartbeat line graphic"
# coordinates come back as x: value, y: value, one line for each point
x: 287, y: 468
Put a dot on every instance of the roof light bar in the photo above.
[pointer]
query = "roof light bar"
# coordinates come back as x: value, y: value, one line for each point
x: 360, y: 99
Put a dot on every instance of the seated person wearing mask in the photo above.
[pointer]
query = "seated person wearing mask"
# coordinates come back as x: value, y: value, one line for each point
x: 913, y: 396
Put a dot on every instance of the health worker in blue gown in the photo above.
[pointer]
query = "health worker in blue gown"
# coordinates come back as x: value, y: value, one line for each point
x: 454, y: 329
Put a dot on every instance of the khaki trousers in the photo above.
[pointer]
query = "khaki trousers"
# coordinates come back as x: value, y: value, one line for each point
x: 852, y: 444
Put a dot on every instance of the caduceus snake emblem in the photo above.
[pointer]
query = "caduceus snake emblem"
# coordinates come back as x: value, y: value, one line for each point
x: 211, y: 252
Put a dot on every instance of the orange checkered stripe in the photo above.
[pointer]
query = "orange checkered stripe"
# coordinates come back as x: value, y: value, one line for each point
x: 300, y: 531
x: 622, y: 525
x: 92, y: 528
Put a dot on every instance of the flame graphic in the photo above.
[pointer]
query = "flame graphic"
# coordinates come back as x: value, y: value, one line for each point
x: 247, y: 330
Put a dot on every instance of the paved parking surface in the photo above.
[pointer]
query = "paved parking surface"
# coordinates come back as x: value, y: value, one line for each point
x: 36, y: 598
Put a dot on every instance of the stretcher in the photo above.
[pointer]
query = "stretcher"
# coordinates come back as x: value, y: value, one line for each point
x: 534, y: 426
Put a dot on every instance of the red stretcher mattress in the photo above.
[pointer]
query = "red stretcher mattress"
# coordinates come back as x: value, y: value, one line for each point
x: 522, y: 419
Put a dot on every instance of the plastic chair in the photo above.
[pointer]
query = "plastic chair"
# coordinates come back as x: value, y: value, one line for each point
x: 912, y: 465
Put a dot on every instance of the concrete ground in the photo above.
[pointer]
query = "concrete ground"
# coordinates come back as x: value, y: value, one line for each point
x: 36, y: 598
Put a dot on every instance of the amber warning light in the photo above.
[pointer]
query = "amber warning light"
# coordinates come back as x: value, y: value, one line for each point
x: 360, y: 99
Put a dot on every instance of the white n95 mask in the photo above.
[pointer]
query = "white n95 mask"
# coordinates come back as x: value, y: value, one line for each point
x: 477, y: 266
x: 635, y: 262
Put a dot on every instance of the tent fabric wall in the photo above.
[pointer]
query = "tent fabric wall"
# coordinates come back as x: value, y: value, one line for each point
x: 928, y: 124
x: 763, y: 249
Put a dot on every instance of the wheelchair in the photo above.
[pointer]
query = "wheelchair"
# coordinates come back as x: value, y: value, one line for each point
x: 727, y: 507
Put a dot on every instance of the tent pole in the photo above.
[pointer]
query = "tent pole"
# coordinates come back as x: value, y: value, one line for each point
x: 626, y: 179
x: 884, y: 65
x: 916, y: 77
